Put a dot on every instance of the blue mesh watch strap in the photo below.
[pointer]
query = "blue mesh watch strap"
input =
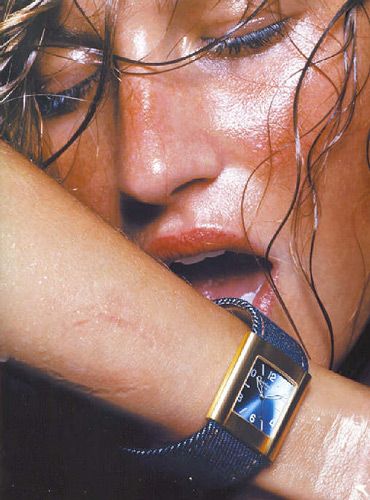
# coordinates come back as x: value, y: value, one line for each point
x: 213, y: 457
x: 267, y: 330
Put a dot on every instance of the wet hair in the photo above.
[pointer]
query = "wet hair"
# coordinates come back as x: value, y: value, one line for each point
x: 24, y: 26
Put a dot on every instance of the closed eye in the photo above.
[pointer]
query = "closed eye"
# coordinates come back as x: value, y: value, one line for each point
x: 252, y: 41
x: 67, y: 101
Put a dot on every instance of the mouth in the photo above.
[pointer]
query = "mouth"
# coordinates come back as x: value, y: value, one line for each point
x: 227, y: 274
x: 218, y: 264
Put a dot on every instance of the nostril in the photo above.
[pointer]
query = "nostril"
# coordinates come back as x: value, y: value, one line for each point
x: 136, y: 215
x: 190, y: 183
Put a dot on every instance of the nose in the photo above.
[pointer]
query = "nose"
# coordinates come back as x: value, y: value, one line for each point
x: 165, y: 143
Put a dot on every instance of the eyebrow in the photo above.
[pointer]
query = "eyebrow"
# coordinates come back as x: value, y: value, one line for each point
x: 64, y: 36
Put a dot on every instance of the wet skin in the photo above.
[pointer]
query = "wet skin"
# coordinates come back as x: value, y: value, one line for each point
x: 180, y: 146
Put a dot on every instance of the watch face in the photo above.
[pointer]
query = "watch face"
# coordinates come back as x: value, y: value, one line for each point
x: 264, y: 397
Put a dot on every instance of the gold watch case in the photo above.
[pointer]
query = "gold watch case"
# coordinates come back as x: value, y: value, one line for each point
x: 222, y: 408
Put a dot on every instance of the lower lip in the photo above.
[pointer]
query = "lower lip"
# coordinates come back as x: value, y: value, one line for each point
x: 265, y: 298
x: 255, y: 288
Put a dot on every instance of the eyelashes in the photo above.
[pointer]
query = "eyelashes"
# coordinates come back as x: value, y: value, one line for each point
x: 67, y: 101
x: 253, y: 41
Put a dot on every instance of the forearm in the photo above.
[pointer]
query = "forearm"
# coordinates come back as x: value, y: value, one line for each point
x: 82, y: 302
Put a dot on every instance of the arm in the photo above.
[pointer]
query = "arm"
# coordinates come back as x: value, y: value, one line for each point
x: 82, y: 302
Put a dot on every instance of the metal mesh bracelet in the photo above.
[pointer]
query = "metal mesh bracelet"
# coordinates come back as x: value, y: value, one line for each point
x: 212, y: 457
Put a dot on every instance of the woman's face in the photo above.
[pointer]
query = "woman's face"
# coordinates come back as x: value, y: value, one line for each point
x: 170, y: 155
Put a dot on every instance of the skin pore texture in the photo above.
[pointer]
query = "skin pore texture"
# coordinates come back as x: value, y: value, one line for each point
x: 188, y: 140
x: 178, y: 148
x: 161, y: 357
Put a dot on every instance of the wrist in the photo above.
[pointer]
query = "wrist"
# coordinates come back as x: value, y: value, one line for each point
x: 250, y: 414
x: 328, y: 445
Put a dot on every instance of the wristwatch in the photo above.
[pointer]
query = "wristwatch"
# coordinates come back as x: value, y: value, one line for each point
x: 250, y: 414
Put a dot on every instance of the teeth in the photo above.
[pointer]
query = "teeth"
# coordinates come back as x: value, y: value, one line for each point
x: 187, y: 261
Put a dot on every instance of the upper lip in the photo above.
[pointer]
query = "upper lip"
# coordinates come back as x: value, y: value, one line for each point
x: 189, y: 243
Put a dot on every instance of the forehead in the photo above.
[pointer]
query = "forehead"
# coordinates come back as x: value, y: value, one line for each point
x: 174, y: 17
x: 82, y: 13
x: 92, y: 6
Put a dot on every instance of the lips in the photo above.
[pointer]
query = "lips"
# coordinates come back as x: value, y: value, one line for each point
x: 216, y: 264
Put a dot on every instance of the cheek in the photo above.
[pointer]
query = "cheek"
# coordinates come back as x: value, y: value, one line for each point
x: 247, y: 112
x: 249, y: 99
x: 250, y: 116
x: 249, y: 108
x: 248, y: 103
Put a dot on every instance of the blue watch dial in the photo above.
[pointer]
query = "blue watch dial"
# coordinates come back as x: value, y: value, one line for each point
x: 264, y: 397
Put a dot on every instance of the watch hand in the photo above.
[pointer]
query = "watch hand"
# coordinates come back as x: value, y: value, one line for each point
x: 260, y: 386
x: 261, y: 414
x: 274, y: 396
